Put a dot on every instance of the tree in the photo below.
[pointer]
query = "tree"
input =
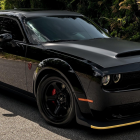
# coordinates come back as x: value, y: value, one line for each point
x: 119, y: 16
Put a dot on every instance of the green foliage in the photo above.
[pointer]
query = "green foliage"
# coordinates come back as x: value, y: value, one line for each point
x: 124, y: 22
x: 118, y: 16
x: 11, y: 4
x: 2, y: 4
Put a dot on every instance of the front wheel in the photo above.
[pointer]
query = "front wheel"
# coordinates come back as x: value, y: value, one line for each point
x: 55, y: 101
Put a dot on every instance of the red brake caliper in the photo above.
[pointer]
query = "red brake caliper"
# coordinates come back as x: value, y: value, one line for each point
x: 53, y: 93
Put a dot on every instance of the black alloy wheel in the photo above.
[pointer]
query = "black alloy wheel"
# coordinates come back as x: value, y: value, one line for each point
x: 55, y: 101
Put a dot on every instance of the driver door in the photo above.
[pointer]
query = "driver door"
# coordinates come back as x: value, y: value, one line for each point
x: 12, y: 56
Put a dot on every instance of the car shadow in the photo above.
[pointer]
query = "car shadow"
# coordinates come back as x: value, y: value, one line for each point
x: 24, y: 106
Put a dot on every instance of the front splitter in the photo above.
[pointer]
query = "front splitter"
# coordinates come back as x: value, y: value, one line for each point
x: 114, y: 126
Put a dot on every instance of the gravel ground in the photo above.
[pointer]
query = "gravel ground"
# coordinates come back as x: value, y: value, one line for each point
x: 20, y: 119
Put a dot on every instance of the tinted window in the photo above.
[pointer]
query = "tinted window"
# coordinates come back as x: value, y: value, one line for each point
x: 1, y: 22
x: 11, y: 26
x: 64, y: 28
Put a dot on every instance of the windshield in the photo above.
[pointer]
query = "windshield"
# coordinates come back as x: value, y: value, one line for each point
x: 45, y: 29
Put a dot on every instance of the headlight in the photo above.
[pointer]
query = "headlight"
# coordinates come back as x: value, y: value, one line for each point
x: 106, y: 80
x: 116, y: 78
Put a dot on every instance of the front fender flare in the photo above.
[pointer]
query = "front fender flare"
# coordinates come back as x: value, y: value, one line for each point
x: 65, y: 70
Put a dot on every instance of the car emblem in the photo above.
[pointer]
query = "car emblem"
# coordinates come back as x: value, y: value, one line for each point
x: 29, y: 65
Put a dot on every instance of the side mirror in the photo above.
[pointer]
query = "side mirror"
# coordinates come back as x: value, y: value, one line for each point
x: 5, y: 37
x: 106, y: 30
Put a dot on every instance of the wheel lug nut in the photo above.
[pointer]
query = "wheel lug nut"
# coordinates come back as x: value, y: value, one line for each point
x: 63, y: 86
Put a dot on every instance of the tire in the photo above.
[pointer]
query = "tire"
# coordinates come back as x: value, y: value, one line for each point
x: 55, y: 101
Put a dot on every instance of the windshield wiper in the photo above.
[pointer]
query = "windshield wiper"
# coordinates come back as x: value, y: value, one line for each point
x: 60, y: 40
x: 98, y: 38
x: 95, y: 38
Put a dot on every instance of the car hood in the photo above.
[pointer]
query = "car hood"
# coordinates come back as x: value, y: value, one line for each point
x: 106, y: 52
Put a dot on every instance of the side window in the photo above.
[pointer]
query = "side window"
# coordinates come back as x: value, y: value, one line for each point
x: 11, y: 26
x: 1, y: 22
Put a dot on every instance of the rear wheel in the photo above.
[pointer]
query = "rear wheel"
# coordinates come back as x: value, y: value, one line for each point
x: 55, y: 101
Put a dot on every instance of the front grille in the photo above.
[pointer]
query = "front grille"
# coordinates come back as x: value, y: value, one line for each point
x: 123, y: 111
x: 132, y: 75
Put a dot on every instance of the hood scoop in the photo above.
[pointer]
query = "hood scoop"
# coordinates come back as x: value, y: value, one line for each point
x: 128, y: 54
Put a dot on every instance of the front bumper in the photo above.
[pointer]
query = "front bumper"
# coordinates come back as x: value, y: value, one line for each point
x: 110, y: 109
x: 102, y: 99
x: 125, y: 105
x: 113, y: 105
x: 104, y: 124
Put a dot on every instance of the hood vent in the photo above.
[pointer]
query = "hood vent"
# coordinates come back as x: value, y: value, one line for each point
x: 128, y: 54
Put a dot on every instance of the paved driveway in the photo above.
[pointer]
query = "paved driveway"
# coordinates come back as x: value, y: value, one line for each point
x: 20, y: 119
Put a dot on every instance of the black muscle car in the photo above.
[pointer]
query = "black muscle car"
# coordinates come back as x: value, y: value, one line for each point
x: 73, y: 67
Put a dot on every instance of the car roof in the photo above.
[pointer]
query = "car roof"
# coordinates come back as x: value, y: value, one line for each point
x: 37, y: 12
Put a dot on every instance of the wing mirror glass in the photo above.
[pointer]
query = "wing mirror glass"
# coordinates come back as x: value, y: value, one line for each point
x: 5, y: 37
